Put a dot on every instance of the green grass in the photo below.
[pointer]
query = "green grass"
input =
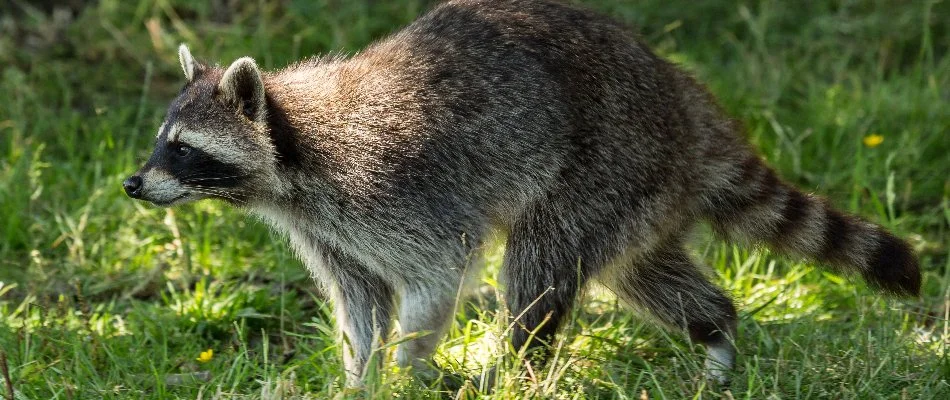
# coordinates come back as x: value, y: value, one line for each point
x: 103, y: 297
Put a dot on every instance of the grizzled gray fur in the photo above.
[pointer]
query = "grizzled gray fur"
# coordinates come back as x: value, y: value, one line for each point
x: 548, y: 123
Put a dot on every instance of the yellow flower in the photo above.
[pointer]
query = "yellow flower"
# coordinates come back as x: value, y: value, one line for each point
x: 873, y: 140
x: 206, y: 356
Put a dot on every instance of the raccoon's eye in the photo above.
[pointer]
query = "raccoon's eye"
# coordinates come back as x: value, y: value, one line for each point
x: 182, y: 150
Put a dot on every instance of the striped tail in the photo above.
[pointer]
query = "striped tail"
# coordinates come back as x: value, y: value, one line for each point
x: 753, y: 204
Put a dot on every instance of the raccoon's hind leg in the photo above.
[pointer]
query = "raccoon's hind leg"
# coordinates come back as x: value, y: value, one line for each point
x: 549, y: 254
x: 668, y: 285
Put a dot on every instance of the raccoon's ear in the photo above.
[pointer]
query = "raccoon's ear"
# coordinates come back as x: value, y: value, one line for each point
x: 242, y: 86
x: 188, y: 63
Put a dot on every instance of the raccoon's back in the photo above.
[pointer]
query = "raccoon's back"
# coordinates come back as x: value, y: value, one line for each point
x: 479, y: 107
x: 513, y: 92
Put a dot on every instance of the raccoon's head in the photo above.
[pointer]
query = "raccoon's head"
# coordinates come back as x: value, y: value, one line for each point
x: 214, y: 141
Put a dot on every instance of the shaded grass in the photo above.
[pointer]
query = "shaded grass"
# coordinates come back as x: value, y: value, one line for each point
x: 102, y: 297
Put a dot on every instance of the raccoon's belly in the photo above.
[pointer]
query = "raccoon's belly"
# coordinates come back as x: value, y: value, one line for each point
x: 406, y: 251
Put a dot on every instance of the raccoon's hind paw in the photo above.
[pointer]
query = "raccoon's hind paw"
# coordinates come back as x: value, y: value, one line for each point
x: 718, y: 376
x: 720, y: 360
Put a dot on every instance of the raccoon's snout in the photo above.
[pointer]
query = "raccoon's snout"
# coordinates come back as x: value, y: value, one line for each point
x: 133, y: 186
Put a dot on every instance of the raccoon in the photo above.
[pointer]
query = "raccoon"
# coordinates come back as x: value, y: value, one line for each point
x: 547, y: 122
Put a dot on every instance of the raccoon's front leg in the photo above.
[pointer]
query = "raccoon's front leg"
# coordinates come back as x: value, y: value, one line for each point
x: 363, y: 304
x: 427, y: 310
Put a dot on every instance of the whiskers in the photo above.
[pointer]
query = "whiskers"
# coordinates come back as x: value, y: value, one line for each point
x: 236, y: 196
x: 220, y: 186
x: 202, y: 178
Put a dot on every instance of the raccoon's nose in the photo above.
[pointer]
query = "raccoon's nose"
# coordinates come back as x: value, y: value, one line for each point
x: 133, y: 186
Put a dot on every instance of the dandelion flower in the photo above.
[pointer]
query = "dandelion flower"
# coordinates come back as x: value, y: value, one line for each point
x: 873, y: 140
x: 205, y: 356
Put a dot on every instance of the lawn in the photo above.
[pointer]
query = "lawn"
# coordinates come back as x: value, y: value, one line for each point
x: 105, y: 297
